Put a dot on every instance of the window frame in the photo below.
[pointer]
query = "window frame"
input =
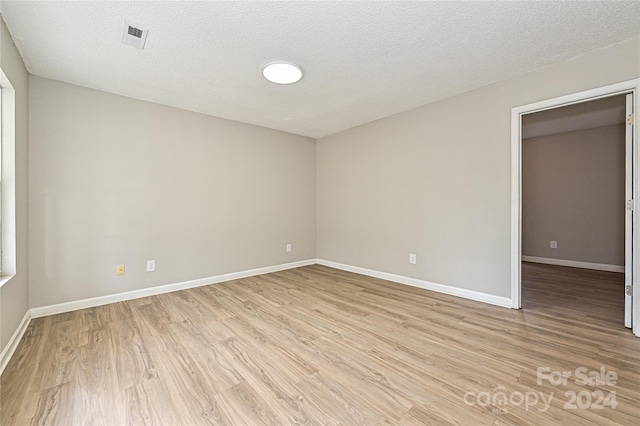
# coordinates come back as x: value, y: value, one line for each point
x: 8, y: 250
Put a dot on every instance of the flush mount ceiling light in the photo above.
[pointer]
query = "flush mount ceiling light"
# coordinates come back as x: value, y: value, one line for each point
x: 282, y: 72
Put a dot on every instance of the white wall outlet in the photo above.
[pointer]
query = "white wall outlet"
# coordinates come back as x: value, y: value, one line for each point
x: 553, y: 244
x: 288, y: 248
x: 412, y: 259
x: 151, y: 265
x: 120, y: 270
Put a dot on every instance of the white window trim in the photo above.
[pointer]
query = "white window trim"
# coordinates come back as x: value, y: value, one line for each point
x: 7, y: 180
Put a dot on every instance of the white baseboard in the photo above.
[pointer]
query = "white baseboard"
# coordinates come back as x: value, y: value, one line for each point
x: 574, y: 264
x: 440, y: 288
x: 8, y: 350
x: 136, y: 294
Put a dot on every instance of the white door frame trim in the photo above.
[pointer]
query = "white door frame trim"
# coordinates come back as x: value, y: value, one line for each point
x: 631, y: 86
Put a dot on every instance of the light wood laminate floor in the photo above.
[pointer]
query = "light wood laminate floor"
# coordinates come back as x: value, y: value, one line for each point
x: 315, y: 345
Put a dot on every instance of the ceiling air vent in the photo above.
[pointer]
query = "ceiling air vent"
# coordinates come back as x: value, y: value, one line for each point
x: 134, y: 36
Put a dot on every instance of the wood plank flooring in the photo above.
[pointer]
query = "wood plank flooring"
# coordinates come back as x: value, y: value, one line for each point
x: 315, y: 345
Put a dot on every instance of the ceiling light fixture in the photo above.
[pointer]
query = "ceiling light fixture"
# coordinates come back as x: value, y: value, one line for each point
x: 282, y: 72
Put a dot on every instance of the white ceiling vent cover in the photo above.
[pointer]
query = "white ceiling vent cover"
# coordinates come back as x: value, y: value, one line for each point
x: 134, y: 35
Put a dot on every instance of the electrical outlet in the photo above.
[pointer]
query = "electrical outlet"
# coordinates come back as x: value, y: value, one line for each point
x: 120, y: 270
x: 553, y: 244
x: 412, y: 259
x: 151, y: 265
x: 288, y: 248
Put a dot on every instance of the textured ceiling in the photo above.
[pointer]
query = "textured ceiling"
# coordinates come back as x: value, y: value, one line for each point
x: 362, y: 60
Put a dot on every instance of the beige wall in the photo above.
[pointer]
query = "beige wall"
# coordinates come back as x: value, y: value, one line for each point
x: 14, y: 296
x: 119, y: 181
x: 436, y: 180
x: 573, y: 193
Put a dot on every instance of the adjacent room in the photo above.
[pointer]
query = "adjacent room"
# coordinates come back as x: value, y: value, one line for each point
x: 573, y: 209
x: 370, y: 212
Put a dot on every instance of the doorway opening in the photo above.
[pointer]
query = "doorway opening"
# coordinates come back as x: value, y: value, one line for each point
x: 573, y: 211
x: 527, y: 121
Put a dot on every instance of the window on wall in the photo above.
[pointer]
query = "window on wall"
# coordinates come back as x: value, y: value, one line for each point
x: 1, y: 178
x: 7, y: 180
